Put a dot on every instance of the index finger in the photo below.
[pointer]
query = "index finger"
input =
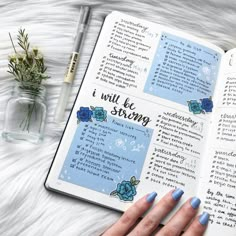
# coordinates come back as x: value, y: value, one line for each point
x: 129, y: 218
x: 151, y: 221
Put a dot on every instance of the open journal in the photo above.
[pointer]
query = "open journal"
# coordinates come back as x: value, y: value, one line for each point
x: 156, y: 111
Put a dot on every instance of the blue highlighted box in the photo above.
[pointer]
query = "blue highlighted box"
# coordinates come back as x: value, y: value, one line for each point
x: 182, y: 70
x: 103, y: 154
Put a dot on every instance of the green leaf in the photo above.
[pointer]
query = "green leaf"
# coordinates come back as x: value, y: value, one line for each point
x: 113, y: 193
x: 132, y: 179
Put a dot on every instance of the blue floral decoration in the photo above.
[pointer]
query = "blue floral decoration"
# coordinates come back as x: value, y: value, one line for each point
x: 204, y: 106
x: 195, y: 107
x: 84, y: 114
x: 207, y: 104
x: 126, y: 190
x: 99, y: 114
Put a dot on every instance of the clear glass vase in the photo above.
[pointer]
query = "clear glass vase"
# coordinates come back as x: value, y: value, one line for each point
x: 25, y: 115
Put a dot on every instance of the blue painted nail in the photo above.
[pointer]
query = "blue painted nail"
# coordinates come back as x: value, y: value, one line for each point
x: 150, y: 198
x: 177, y: 194
x: 195, y: 202
x: 203, y: 219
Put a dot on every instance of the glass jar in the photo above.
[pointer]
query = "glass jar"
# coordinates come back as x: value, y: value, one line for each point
x: 25, y: 115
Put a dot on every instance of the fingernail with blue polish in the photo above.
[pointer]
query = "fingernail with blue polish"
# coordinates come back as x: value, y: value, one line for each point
x: 150, y: 198
x: 177, y: 194
x: 204, y: 218
x: 195, y: 202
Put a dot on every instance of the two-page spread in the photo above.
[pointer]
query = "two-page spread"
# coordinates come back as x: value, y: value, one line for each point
x: 156, y: 111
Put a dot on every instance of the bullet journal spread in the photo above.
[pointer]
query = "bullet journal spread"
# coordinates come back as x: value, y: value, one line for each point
x: 156, y: 111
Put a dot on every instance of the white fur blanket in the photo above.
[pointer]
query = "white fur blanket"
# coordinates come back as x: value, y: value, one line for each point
x: 26, y: 208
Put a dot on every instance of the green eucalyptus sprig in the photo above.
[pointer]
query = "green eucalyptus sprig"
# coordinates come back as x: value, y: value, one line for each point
x: 27, y: 65
x: 28, y: 69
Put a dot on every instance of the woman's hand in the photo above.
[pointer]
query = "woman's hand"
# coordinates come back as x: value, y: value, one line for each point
x: 184, y: 217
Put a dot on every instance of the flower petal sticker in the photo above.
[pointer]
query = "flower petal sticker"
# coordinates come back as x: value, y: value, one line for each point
x: 126, y: 190
x: 207, y: 104
x: 195, y: 107
x: 84, y: 114
x: 99, y: 114
x: 204, y: 106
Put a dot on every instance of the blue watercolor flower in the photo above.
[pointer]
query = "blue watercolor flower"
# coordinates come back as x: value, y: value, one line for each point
x: 84, y: 114
x: 126, y: 190
x: 99, y: 114
x: 195, y: 107
x: 207, y: 104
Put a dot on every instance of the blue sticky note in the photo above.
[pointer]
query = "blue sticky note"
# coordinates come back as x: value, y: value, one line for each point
x: 182, y: 70
x: 103, y: 154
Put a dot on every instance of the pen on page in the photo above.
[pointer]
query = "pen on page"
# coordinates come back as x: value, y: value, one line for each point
x: 72, y: 66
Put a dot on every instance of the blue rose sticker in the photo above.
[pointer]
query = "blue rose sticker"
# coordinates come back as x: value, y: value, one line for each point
x: 204, y: 106
x: 207, y: 104
x: 99, y: 114
x: 126, y: 190
x: 84, y: 114
x: 195, y: 107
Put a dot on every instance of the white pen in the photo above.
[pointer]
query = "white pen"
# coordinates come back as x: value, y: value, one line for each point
x: 72, y: 66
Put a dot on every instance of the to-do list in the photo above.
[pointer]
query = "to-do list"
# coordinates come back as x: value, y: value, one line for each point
x: 182, y: 70
x: 105, y: 153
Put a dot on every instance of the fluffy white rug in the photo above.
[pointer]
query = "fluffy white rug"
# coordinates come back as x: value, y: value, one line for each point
x: 26, y: 208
